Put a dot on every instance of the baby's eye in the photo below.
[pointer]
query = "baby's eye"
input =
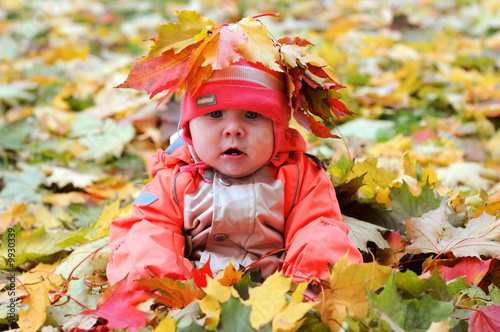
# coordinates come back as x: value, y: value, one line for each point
x: 215, y: 114
x: 252, y: 115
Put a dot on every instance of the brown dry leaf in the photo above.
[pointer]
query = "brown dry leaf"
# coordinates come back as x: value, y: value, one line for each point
x: 433, y: 233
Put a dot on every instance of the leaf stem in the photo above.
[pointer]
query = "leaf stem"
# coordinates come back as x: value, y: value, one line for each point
x: 431, y: 263
x: 71, y: 298
x: 466, y: 307
x: 267, y: 14
x: 263, y: 257
x: 83, y: 260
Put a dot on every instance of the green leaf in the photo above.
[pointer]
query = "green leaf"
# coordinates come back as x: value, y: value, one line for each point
x: 339, y: 170
x: 413, y: 286
x: 10, y: 240
x: 22, y: 187
x: 235, y: 316
x: 313, y: 323
x: 244, y: 285
x: 101, y: 138
x: 38, y: 245
x: 405, y: 205
x: 77, y: 289
x: 410, y: 315
x: 191, y: 328
x: 494, y: 292
x: 14, y: 93
x: 457, y: 285
x: 13, y: 135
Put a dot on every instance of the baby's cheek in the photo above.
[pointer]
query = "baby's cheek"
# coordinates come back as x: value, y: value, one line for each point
x: 262, y: 146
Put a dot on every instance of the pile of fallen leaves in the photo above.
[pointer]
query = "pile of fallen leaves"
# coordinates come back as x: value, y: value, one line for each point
x: 419, y: 185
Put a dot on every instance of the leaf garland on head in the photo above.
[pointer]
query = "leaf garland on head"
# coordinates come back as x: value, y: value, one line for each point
x: 184, y: 55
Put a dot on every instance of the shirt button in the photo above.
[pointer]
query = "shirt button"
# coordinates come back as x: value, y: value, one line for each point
x: 225, y: 181
x: 220, y: 237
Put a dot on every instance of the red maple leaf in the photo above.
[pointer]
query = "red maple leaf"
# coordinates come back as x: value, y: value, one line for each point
x: 158, y: 74
x: 473, y: 268
x: 200, y: 275
x: 116, y: 307
x: 487, y: 319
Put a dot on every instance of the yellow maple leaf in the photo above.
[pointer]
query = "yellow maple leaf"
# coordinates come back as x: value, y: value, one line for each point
x: 192, y: 28
x: 210, y: 304
x: 268, y: 299
x: 347, y: 294
x: 291, y: 318
x: 166, y: 325
x: 259, y: 47
x: 110, y: 213
x: 38, y: 283
x: 13, y: 215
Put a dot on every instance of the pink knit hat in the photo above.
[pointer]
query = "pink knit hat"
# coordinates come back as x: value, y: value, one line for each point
x: 241, y: 85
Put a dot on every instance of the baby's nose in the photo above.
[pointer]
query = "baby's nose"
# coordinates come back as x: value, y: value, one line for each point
x: 234, y: 129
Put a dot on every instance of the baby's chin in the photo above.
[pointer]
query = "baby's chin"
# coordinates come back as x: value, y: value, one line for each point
x: 237, y: 173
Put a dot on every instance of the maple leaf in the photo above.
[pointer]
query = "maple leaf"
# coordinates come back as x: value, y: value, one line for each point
x: 319, y: 129
x: 290, y: 319
x: 173, y: 293
x: 200, y: 275
x: 38, y: 283
x: 158, y: 74
x: 22, y: 186
x: 410, y: 315
x: 235, y: 317
x: 229, y: 276
x: 292, y: 56
x: 347, y: 294
x: 485, y: 319
x: 362, y: 232
x: 414, y: 286
x: 107, y: 215
x: 222, y: 51
x: 210, y: 304
x: 197, y: 73
x: 391, y: 256
x: 268, y: 299
x: 79, y: 290
x: 192, y: 28
x: 259, y: 47
x: 472, y: 268
x: 433, y: 233
x: 115, y: 306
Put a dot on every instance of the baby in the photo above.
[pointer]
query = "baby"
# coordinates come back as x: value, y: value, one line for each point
x: 236, y: 188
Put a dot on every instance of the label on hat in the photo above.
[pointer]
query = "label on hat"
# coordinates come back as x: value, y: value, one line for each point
x: 206, y: 100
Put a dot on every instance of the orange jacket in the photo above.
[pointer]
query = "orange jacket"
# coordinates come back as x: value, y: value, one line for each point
x: 170, y: 228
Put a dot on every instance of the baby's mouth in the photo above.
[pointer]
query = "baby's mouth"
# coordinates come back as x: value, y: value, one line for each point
x: 233, y: 152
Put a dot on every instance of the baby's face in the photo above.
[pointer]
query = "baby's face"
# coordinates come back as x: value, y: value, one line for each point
x: 234, y: 142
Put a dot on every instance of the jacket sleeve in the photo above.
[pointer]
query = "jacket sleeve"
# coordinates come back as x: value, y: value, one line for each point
x: 150, y: 240
x: 315, y: 234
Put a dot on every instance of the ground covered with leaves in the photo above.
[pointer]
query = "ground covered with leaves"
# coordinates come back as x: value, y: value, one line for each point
x: 417, y: 173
